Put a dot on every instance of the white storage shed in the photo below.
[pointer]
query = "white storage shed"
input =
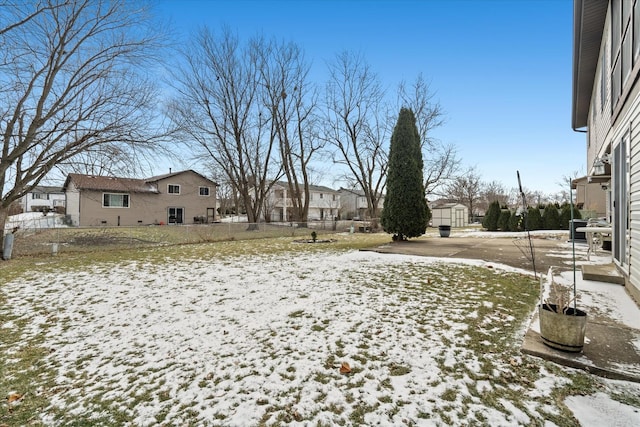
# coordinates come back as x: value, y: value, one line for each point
x: 453, y: 214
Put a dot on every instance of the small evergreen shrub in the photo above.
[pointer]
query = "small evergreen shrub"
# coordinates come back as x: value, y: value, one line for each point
x: 503, y: 221
x: 490, y: 221
x: 534, y: 219
x: 551, y: 217
x: 515, y: 222
x: 565, y: 215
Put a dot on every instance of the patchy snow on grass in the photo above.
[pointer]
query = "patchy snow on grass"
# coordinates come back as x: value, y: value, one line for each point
x: 323, y: 338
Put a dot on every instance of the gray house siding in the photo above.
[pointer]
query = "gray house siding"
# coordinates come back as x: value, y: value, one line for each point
x: 606, y: 99
x: 149, y: 202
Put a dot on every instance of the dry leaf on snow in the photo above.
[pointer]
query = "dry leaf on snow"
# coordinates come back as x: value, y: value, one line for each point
x: 345, y: 368
x: 14, y: 397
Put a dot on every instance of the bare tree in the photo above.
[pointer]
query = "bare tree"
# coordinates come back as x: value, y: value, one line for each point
x: 111, y: 159
x: 467, y: 190
x: 441, y: 161
x: 292, y: 102
x: 441, y: 166
x: 18, y: 17
x: 565, y: 184
x: 218, y: 111
x: 358, y: 124
x: 73, y: 80
x: 533, y: 198
x: 494, y: 191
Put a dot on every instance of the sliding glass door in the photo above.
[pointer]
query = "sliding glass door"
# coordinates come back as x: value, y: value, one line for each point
x: 620, y: 195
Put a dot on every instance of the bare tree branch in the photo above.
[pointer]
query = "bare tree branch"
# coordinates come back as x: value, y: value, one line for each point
x: 441, y: 161
x: 292, y: 102
x: 218, y: 111
x: 71, y: 81
x: 467, y: 190
x: 358, y: 124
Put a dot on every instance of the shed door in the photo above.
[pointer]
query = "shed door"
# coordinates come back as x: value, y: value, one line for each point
x: 459, y: 222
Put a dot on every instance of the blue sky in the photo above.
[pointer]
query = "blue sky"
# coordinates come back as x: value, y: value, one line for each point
x: 500, y: 69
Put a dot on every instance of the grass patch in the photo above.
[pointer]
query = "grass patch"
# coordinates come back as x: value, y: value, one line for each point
x: 398, y: 370
x: 471, y: 316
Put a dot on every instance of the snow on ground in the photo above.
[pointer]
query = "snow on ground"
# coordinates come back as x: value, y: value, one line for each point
x: 250, y: 339
x: 234, y: 218
x: 609, y: 298
x: 478, y: 232
x: 32, y: 220
x: 244, y: 339
x: 589, y: 411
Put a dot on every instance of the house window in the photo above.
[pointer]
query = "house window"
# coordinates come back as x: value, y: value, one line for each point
x: 626, y: 57
x: 625, y: 45
x: 173, y: 189
x: 615, y: 27
x: 39, y: 196
x: 204, y: 191
x: 111, y: 200
x: 636, y: 30
x: 603, y: 80
x: 321, y: 195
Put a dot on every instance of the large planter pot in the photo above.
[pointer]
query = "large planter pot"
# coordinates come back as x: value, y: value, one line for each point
x: 562, y: 331
x: 445, y: 230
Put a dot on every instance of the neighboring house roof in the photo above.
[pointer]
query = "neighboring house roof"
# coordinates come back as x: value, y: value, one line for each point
x: 354, y: 191
x: 47, y: 189
x: 581, y: 180
x: 171, y: 174
x: 588, y: 25
x: 314, y: 188
x: 321, y: 188
x: 111, y: 183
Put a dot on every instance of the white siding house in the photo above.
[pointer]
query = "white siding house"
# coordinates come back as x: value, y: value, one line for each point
x: 606, y: 104
x: 324, y: 203
x: 43, y: 197
x: 354, y: 204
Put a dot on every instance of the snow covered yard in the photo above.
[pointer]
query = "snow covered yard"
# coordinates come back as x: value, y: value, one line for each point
x: 296, y: 336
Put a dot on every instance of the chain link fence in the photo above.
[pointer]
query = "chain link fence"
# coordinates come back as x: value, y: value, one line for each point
x: 49, y: 235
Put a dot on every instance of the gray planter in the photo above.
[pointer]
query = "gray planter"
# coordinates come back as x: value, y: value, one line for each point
x: 562, y: 331
x: 445, y: 230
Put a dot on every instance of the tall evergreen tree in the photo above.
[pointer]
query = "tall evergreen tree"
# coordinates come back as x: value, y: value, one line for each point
x: 405, y: 212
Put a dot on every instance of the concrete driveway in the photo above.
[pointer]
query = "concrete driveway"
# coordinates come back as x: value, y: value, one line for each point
x: 549, y: 250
